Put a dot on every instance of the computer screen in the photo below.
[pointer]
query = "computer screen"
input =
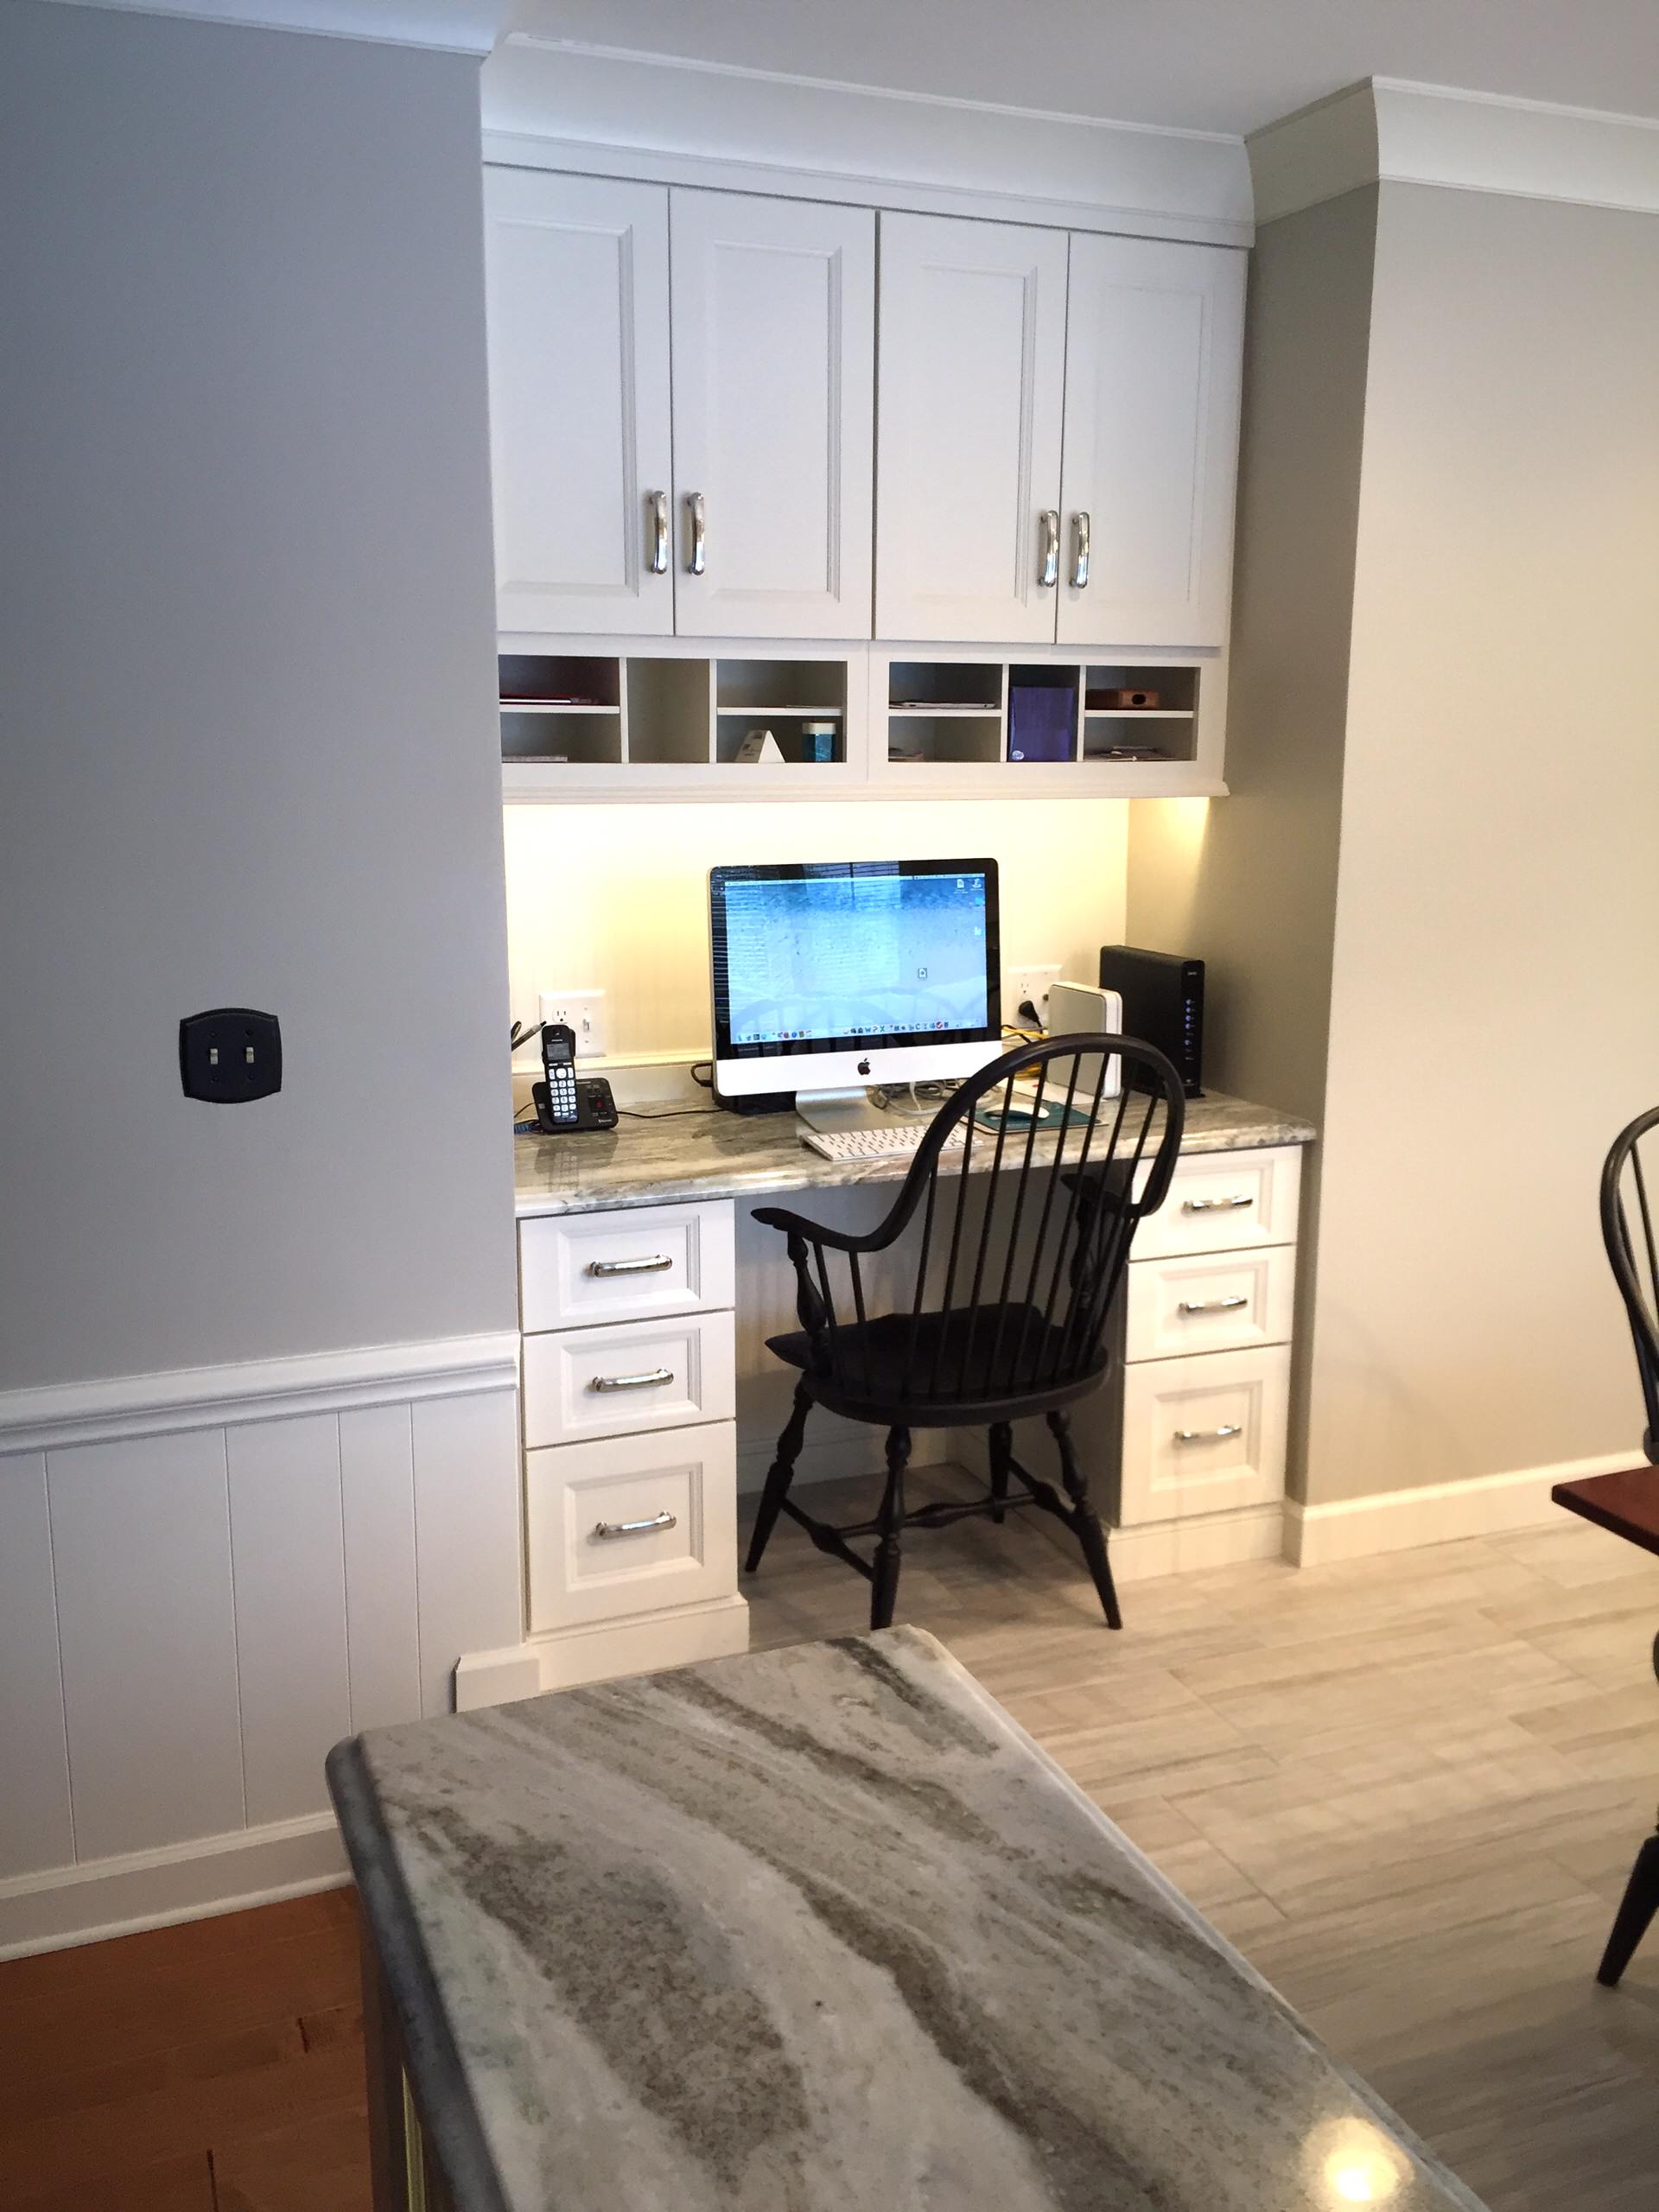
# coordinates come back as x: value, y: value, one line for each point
x: 815, y: 957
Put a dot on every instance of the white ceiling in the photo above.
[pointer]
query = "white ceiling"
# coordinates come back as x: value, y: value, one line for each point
x: 1198, y: 65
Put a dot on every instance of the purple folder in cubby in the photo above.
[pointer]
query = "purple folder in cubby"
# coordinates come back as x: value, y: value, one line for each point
x: 1042, y: 721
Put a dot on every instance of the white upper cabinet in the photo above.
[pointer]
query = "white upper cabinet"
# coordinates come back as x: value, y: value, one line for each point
x: 577, y: 274
x: 774, y: 394
x: 1153, y: 345
x: 971, y: 379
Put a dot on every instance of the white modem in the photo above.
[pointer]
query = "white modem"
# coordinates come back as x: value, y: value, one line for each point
x: 1076, y: 1009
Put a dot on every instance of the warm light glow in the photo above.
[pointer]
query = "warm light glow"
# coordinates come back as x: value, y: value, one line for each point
x: 1356, y: 2164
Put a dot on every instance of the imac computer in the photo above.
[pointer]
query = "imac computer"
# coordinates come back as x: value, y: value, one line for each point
x: 832, y: 976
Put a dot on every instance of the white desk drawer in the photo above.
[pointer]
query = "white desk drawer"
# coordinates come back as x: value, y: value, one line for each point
x: 1204, y: 1434
x: 575, y: 1268
x: 631, y: 1525
x: 1223, y: 1201
x: 635, y: 1375
x: 1210, y: 1301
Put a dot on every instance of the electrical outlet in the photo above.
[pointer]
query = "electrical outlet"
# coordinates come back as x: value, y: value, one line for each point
x: 583, y: 1013
x: 1031, y: 980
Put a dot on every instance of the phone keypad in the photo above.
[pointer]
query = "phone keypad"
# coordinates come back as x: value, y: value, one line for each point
x: 562, y: 1093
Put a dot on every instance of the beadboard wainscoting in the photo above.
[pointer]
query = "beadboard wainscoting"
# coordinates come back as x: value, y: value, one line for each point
x: 207, y: 1578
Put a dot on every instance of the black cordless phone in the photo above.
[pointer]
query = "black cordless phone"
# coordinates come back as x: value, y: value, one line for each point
x: 567, y: 1105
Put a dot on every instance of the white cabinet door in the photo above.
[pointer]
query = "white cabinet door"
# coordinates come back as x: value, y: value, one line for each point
x: 774, y: 397
x: 1154, y: 343
x: 577, y: 278
x: 970, y: 374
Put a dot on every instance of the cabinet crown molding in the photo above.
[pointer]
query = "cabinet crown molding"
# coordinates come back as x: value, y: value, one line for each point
x: 1385, y: 130
x: 559, y: 103
x: 446, y: 26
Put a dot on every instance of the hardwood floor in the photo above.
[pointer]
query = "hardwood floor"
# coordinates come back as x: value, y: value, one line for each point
x: 1410, y: 1788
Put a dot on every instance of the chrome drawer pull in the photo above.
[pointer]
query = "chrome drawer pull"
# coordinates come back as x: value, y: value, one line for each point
x: 1208, y: 1435
x: 633, y: 1381
x: 1210, y: 1305
x: 658, y: 503
x: 607, y: 1531
x: 1216, y: 1205
x: 654, y: 1266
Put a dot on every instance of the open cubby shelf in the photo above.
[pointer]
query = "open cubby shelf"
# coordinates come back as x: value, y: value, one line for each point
x: 645, y: 717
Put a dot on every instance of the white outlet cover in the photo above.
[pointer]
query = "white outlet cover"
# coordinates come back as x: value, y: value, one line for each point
x: 581, y: 1011
x: 1025, y: 980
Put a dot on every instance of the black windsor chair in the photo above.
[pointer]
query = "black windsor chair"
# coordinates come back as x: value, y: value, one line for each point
x: 1626, y: 1178
x: 1020, y: 1241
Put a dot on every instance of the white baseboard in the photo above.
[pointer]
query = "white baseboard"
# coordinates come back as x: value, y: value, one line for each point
x: 1438, y: 1513
x: 718, y: 1629
x: 1150, y: 1549
x: 181, y: 1881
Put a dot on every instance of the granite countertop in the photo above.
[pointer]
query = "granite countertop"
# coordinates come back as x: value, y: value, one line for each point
x: 822, y: 1928
x: 656, y: 1155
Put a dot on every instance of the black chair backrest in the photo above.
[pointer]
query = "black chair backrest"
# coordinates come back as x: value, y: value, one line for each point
x: 1021, y: 1236
x: 1630, y: 1190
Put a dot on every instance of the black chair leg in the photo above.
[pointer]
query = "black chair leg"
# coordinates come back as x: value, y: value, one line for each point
x: 1635, y: 1912
x: 1002, y: 1459
x: 884, y: 1587
x: 779, y: 1474
x: 1085, y: 1519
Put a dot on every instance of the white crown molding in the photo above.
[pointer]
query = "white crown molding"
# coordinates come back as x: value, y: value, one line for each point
x: 263, y: 1389
x: 568, y: 105
x: 1387, y: 132
x: 448, y: 25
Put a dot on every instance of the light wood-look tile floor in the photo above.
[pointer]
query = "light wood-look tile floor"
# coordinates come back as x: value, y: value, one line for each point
x: 1410, y: 1788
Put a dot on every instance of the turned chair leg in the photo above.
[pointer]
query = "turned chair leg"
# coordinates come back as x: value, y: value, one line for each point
x: 779, y: 1474
x: 1635, y: 1912
x: 1001, y: 1461
x: 884, y: 1587
x: 1085, y: 1519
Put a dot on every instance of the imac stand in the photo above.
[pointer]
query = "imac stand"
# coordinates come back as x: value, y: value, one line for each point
x: 827, y: 1110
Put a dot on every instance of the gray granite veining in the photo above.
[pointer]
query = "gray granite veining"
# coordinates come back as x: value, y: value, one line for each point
x: 822, y: 1928
x: 654, y: 1157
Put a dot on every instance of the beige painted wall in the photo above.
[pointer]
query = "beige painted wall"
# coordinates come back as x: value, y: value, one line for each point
x: 1431, y: 908
x: 1249, y: 883
x: 617, y: 896
x: 1498, y: 924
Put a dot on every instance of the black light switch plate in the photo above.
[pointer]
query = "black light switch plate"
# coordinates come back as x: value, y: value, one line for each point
x: 230, y: 1054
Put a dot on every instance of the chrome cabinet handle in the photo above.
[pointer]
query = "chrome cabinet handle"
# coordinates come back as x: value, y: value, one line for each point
x: 1049, y: 575
x: 1210, y: 1305
x: 697, y: 558
x: 607, y: 1531
x: 633, y: 1381
x: 653, y: 1266
x: 1214, y: 1205
x: 658, y: 502
x: 1208, y: 1435
x: 1080, y: 550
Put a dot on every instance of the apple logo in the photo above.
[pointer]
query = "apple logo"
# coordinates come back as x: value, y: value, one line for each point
x: 863, y: 1067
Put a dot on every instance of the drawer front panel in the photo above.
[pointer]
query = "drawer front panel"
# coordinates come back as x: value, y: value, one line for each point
x: 574, y: 1269
x: 631, y: 1525
x: 1209, y: 1302
x: 1223, y: 1202
x: 1204, y: 1434
x: 637, y: 1376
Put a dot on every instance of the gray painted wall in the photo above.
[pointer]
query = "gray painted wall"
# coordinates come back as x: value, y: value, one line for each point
x: 248, y: 753
x: 1249, y: 883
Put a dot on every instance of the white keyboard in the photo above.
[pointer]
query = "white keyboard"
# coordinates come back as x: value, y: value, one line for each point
x: 899, y: 1143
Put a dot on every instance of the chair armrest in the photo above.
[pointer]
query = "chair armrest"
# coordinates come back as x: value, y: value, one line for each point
x: 796, y: 1225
